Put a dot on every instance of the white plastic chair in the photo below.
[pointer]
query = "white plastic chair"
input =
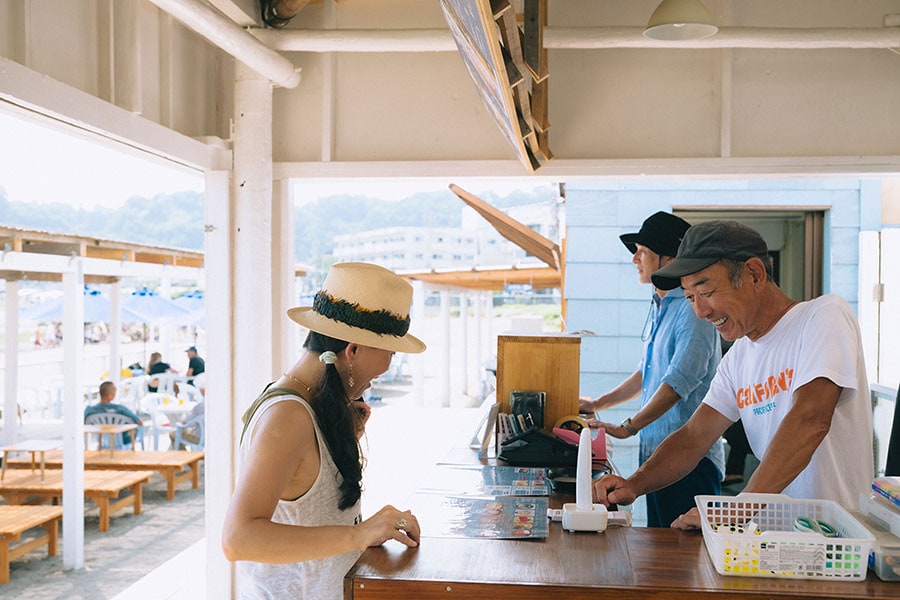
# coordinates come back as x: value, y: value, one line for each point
x: 195, y: 426
x: 188, y: 392
x: 159, y: 422
x: 131, y: 390
x: 111, y: 418
x: 165, y: 383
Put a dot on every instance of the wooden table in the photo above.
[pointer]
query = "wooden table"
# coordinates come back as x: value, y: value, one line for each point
x: 15, y: 520
x: 102, y: 487
x: 175, y: 466
x: 110, y: 430
x: 623, y: 563
x: 33, y: 447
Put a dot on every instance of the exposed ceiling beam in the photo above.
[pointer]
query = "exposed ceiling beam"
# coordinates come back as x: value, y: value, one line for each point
x: 579, y: 38
x: 587, y: 169
x: 587, y: 38
x: 225, y: 34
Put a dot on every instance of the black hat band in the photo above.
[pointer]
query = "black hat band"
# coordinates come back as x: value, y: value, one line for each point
x: 377, y: 321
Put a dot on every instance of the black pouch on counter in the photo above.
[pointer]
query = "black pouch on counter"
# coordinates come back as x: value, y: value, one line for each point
x: 535, y: 448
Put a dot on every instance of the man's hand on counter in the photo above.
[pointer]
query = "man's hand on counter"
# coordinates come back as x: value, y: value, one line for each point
x: 688, y: 521
x: 612, y: 489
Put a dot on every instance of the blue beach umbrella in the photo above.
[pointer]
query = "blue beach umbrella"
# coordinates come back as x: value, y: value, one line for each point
x: 97, y: 308
x: 191, y: 301
x: 150, y: 307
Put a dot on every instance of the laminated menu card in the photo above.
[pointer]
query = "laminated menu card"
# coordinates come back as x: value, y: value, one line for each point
x: 478, y: 480
x: 503, y: 517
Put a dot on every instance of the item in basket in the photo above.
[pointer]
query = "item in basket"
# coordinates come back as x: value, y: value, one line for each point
x: 807, y: 525
x: 889, y: 487
x: 749, y: 528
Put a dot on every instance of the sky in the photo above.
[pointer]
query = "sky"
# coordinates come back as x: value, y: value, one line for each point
x: 42, y: 164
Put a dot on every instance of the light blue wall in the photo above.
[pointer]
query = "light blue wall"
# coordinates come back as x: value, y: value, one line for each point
x: 601, y: 287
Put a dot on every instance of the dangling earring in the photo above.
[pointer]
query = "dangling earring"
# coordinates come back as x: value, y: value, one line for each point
x: 350, y: 382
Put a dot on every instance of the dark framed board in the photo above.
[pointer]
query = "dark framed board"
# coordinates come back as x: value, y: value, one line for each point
x: 474, y: 29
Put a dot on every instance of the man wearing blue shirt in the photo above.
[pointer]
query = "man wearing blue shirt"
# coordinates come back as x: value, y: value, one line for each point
x: 681, y: 353
x: 106, y: 405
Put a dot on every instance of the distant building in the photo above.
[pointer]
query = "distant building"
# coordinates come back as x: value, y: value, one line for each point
x: 474, y: 244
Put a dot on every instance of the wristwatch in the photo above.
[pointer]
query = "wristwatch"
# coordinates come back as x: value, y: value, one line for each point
x: 627, y: 426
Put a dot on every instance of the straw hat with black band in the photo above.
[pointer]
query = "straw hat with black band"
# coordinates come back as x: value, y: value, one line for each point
x: 364, y: 304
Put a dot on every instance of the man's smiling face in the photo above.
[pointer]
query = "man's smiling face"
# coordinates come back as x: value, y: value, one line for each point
x: 714, y: 298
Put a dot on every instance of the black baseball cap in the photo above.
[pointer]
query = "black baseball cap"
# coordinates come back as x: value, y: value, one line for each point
x: 191, y: 349
x: 661, y: 232
x: 707, y: 243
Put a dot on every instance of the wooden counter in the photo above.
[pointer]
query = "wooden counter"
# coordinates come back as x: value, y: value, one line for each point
x: 624, y: 563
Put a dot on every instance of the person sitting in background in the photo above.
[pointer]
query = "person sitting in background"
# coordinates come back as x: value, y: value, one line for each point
x: 156, y: 366
x: 190, y: 435
x: 196, y: 365
x: 106, y: 405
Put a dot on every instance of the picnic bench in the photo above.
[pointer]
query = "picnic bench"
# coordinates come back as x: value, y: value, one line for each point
x: 175, y: 466
x: 14, y: 521
x: 21, y: 486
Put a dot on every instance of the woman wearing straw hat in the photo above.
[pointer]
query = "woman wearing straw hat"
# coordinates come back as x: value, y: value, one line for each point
x: 294, y: 519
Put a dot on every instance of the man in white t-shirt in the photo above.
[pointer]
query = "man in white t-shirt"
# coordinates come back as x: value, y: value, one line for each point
x: 795, y: 377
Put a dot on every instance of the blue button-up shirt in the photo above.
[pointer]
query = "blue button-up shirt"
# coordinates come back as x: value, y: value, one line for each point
x: 682, y: 351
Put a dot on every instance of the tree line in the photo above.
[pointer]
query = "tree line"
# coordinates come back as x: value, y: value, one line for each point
x: 176, y: 220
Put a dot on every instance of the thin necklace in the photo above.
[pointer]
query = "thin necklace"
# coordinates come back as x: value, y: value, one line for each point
x: 289, y: 376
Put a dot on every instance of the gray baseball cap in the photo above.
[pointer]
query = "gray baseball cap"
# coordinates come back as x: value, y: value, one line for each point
x: 707, y: 243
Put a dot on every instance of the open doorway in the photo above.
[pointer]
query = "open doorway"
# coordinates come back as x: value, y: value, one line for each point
x: 794, y: 238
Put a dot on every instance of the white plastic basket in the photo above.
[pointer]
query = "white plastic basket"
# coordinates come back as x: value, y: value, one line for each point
x: 763, y: 543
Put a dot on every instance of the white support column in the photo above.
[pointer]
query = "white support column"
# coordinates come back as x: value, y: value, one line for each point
x: 115, y: 331
x: 73, y: 421
x: 464, y: 343
x: 165, y: 326
x: 222, y: 412
x: 284, y: 332
x: 490, y: 339
x: 417, y: 361
x: 444, y: 370
x: 250, y: 235
x: 11, y: 363
x: 477, y: 301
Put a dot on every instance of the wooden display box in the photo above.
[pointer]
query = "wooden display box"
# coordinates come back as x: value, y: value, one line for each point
x: 548, y: 363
